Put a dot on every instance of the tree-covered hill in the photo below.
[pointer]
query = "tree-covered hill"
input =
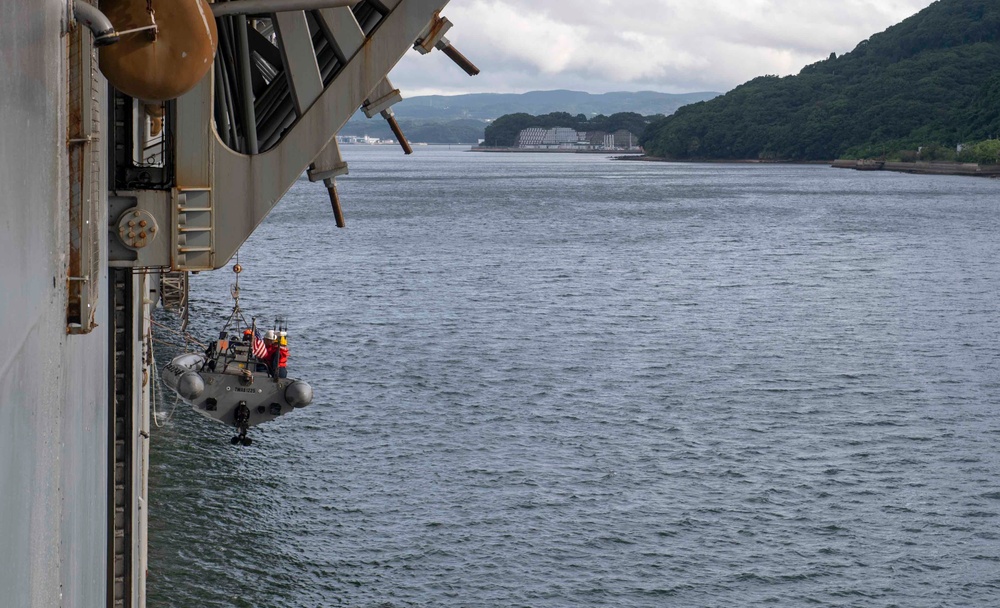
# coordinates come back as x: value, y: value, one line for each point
x: 934, y: 78
x: 503, y: 131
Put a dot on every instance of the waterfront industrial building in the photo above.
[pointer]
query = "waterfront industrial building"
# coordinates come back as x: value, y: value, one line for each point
x: 562, y: 138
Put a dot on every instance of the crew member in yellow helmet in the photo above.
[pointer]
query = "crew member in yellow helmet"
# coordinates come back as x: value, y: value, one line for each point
x: 282, y: 354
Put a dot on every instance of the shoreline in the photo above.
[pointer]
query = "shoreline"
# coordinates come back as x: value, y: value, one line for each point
x: 921, y: 167
x: 552, y: 151
x: 916, y: 168
x: 710, y: 161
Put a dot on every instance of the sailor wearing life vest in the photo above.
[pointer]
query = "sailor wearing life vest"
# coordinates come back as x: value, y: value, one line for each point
x: 282, y: 355
x: 277, y: 354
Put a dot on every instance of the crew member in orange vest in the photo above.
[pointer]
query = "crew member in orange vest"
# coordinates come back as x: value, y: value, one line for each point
x: 270, y: 358
x: 282, y: 355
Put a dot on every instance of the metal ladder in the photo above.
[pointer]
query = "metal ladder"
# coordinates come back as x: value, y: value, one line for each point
x: 120, y: 516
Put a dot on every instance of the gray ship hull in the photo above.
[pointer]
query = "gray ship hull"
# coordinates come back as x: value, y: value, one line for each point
x: 53, y: 389
x: 77, y: 283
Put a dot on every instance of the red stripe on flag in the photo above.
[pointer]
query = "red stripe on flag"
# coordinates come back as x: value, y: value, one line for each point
x: 259, y: 348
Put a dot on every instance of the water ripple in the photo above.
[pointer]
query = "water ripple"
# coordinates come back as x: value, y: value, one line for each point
x: 689, y: 385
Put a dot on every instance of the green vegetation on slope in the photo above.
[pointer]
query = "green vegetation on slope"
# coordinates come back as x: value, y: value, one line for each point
x: 503, y: 132
x: 932, y: 79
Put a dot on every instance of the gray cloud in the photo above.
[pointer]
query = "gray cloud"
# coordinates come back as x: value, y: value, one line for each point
x: 663, y: 45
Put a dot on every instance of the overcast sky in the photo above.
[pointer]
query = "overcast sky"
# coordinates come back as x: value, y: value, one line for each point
x: 673, y: 46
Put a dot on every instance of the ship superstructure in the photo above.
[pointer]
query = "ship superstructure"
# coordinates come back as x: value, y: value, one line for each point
x: 105, y: 193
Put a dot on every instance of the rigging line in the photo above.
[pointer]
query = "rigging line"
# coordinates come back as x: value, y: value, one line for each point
x: 157, y: 388
x: 151, y: 360
x: 186, y: 335
x: 234, y: 291
x: 164, y: 342
x: 152, y: 365
x: 166, y: 327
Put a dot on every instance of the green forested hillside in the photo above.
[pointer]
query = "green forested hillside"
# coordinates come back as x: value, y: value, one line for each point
x: 932, y: 79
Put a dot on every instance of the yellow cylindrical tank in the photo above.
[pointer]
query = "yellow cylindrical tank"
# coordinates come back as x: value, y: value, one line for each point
x: 165, y: 65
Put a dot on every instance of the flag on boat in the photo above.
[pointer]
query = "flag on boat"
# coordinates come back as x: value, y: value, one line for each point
x: 259, y: 349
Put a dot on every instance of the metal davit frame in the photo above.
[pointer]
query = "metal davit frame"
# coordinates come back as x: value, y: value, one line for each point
x: 189, y: 179
x: 283, y: 84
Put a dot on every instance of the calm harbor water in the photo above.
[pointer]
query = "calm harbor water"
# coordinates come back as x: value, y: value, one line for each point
x: 560, y: 380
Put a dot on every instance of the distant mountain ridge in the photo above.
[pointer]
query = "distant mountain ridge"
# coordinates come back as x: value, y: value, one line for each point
x: 934, y: 78
x: 463, y: 118
x: 490, y: 106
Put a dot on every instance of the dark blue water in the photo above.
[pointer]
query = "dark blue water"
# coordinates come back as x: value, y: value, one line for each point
x: 559, y: 380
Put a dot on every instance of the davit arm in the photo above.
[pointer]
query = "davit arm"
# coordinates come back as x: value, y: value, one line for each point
x: 221, y: 195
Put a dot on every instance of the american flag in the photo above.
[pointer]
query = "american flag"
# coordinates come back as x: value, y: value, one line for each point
x: 259, y: 349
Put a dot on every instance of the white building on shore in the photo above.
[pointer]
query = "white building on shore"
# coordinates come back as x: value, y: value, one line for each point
x: 562, y: 138
x: 362, y: 139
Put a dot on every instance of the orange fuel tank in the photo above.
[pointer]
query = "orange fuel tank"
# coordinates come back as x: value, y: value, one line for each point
x: 165, y: 65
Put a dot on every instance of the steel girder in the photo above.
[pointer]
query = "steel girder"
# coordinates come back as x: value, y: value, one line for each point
x: 221, y: 195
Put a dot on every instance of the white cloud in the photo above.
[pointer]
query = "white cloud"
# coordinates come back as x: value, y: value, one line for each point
x: 664, y: 45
